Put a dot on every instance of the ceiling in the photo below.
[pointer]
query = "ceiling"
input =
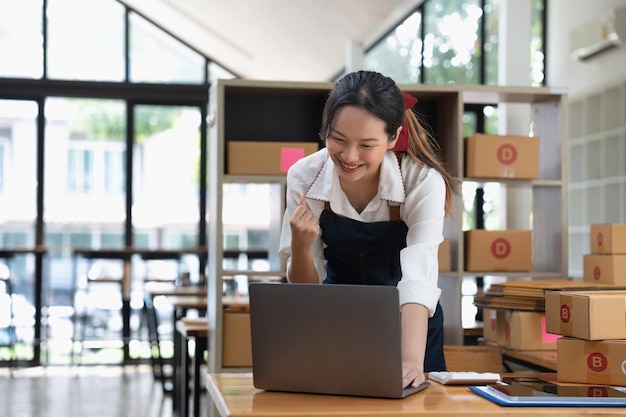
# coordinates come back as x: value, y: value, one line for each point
x: 290, y: 40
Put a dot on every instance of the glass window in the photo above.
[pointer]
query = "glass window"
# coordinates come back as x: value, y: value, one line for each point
x: 2, y: 163
x: 115, y: 170
x: 80, y: 175
x: 157, y: 57
x: 18, y: 210
x: 21, y: 39
x: 85, y: 40
x: 452, y: 49
x: 452, y: 41
x: 250, y: 227
x: 399, y: 54
x: 18, y: 169
x: 166, y: 176
x: 537, y: 56
x: 84, y: 181
x: 491, y: 42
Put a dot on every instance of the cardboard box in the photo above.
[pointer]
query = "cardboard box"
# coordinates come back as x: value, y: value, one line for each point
x: 607, y: 269
x: 609, y: 238
x: 501, y: 156
x: 444, y: 256
x: 589, y: 315
x: 265, y: 158
x: 526, y: 330
x: 236, y: 340
x: 492, y: 250
x: 591, y: 362
x: 494, y: 322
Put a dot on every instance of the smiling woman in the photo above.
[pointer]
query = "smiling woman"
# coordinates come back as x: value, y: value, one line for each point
x: 369, y: 209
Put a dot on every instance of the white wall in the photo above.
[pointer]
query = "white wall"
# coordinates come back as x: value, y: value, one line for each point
x: 596, y: 126
x: 580, y: 77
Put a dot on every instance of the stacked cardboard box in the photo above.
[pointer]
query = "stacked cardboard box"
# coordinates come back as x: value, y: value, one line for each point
x: 607, y: 261
x: 444, y: 256
x: 522, y: 330
x: 502, y: 156
x: 593, y: 323
x: 265, y: 158
x: 515, y: 312
x: 505, y: 157
x: 498, y: 250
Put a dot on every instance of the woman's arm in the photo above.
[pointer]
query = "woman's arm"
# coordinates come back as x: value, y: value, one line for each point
x: 414, y: 335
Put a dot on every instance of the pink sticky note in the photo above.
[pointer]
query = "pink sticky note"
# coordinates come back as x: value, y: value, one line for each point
x: 545, y: 336
x: 289, y: 156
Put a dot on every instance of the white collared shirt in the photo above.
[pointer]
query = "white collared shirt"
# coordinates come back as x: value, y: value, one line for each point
x: 421, y: 193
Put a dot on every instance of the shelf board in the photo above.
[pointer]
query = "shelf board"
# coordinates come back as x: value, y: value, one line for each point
x: 480, y: 94
x: 513, y: 181
x: 254, y: 179
x: 519, y: 275
x: 249, y: 273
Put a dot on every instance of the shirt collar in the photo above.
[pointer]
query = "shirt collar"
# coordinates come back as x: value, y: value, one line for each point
x: 391, y: 186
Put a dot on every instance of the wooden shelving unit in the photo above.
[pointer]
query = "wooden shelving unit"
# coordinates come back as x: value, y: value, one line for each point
x: 291, y: 111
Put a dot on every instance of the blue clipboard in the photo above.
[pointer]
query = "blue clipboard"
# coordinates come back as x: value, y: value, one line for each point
x: 553, y: 396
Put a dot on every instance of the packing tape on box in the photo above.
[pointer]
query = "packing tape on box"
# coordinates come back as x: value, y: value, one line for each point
x: 600, y: 242
x: 565, y: 315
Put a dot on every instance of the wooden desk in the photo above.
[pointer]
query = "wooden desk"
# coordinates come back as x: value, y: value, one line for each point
x: 149, y: 311
x: 187, y: 329
x: 125, y: 256
x: 194, y: 290
x: 181, y: 304
x: 233, y: 395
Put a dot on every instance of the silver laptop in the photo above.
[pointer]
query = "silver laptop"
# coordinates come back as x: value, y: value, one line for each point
x: 327, y: 339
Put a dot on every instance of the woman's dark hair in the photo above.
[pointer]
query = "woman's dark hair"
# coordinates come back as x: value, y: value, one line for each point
x: 381, y: 97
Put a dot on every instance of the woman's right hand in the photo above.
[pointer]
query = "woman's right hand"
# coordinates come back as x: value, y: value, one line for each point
x: 304, y: 227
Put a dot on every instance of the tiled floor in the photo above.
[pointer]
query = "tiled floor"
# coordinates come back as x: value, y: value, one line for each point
x: 85, y: 391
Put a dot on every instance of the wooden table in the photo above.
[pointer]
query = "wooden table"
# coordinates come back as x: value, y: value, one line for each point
x: 233, y: 395
x: 186, y: 330
x: 177, y: 296
x: 181, y: 304
x: 125, y: 256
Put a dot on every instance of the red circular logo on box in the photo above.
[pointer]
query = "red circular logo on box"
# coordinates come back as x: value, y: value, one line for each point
x: 600, y: 239
x: 565, y: 313
x: 596, y: 362
x: 597, y: 273
x: 500, y: 248
x: 597, y: 391
x: 507, y: 154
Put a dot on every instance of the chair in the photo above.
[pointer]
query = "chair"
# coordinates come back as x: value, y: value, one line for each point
x: 157, y: 275
x: 481, y: 358
x: 99, y: 275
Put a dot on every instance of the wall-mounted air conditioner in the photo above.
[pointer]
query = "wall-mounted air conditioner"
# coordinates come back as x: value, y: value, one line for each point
x: 604, y: 33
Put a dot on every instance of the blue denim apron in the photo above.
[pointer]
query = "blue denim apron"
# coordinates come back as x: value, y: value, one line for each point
x: 369, y: 254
